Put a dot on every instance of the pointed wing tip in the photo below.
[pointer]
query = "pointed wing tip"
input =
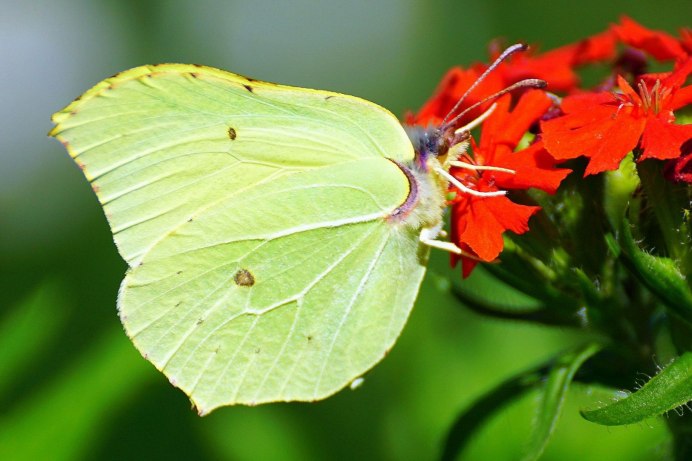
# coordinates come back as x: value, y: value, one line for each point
x: 57, y: 118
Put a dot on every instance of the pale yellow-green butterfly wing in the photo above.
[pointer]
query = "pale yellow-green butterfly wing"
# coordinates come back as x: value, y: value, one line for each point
x: 257, y: 220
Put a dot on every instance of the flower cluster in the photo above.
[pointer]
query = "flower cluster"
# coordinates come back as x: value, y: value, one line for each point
x: 530, y: 132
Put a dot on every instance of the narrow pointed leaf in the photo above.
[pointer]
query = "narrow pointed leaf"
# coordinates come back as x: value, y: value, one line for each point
x: 660, y: 275
x: 472, y: 418
x: 553, y: 396
x: 669, y: 389
x: 508, y: 301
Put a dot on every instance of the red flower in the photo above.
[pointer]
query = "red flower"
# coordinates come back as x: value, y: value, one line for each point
x: 597, y: 48
x: 557, y: 66
x: 479, y: 222
x: 658, y: 44
x: 680, y: 169
x: 686, y: 40
x: 606, y: 126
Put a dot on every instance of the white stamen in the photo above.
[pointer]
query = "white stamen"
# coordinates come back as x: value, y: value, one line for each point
x: 449, y: 247
x: 456, y: 183
x: 427, y: 237
x: 470, y: 166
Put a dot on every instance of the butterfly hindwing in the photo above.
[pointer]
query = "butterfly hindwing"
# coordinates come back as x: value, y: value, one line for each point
x: 279, y: 296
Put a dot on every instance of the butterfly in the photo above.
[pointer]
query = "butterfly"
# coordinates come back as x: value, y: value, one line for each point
x: 276, y: 236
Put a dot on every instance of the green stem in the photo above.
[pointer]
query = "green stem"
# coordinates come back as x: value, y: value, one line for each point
x: 670, y: 204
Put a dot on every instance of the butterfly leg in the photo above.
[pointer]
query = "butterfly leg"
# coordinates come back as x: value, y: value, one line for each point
x: 428, y: 236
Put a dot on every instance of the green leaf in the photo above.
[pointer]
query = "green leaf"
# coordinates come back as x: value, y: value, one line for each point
x: 472, y: 418
x: 660, y: 275
x: 29, y: 329
x: 557, y: 375
x: 526, y: 273
x: 67, y: 416
x: 553, y: 396
x: 669, y: 389
x: 509, y: 301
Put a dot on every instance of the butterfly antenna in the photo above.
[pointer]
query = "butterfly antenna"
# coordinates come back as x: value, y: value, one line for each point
x: 526, y: 83
x: 505, y: 54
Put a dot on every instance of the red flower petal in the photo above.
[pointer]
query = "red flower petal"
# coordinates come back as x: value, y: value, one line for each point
x: 686, y: 39
x: 599, y: 47
x: 663, y: 139
x: 628, y: 91
x: 658, y: 44
x: 467, y: 265
x: 485, y: 219
x: 507, y: 127
x: 605, y: 141
x: 534, y: 167
x: 681, y: 98
x: 584, y: 102
x: 600, y: 126
x: 565, y: 136
x: 677, y: 78
x: 555, y: 67
x: 679, y: 169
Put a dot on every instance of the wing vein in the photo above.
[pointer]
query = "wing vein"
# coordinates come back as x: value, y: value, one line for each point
x: 294, y: 298
x: 348, y: 309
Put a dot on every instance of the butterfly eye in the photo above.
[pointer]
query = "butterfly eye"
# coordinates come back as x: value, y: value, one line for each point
x: 443, y: 145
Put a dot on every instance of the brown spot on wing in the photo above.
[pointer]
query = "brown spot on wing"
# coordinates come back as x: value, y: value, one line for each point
x: 231, y: 133
x: 244, y: 278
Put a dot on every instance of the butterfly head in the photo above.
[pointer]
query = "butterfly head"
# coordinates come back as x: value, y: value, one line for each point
x: 433, y: 144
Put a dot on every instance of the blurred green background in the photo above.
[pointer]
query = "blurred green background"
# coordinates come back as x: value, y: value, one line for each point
x: 71, y: 384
